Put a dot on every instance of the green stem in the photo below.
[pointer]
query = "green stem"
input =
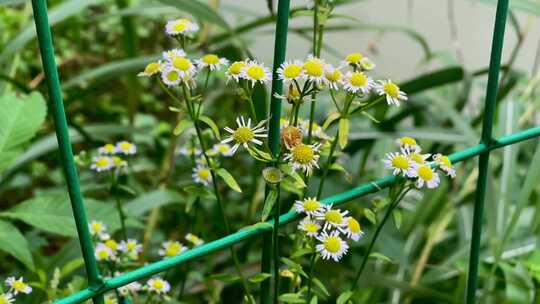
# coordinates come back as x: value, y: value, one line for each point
x: 393, y: 205
x: 275, y: 236
x: 327, y: 165
x: 311, y: 268
x: 121, y: 214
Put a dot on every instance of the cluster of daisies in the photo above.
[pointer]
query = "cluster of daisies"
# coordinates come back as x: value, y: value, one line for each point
x: 201, y: 171
x: 411, y: 163
x: 109, y: 156
x: 108, y: 250
x: 15, y: 286
x: 330, y: 227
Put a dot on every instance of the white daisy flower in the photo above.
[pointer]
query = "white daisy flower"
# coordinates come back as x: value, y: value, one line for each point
x: 244, y: 134
x: 392, y: 92
x: 171, y: 76
x: 353, y: 229
x: 202, y: 175
x: 333, y: 218
x: 290, y: 71
x: 126, y: 148
x: 131, y: 288
x: 223, y: 149
x: 193, y: 239
x: 333, y: 77
x: 6, y: 298
x: 151, y: 69
x: 101, y: 163
x: 17, y: 286
x: 107, y: 149
x: 309, y: 205
x: 104, y: 253
x: 426, y: 176
x: 408, y: 144
x: 399, y: 163
x: 234, y: 72
x: 353, y: 59
x: 158, y: 285
x: 97, y: 228
x: 358, y: 82
x: 445, y: 164
x: 212, y: 61
x: 180, y: 27
x: 189, y: 151
x: 310, y: 227
x: 314, y: 69
x: 183, y: 66
x: 332, y: 246
x: 112, y: 244
x: 367, y: 64
x: 130, y: 246
x: 171, y: 54
x: 171, y: 248
x: 304, y: 157
x: 256, y: 72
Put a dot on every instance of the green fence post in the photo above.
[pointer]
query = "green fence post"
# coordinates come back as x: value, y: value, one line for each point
x: 62, y: 134
x: 487, y: 141
x: 280, y: 48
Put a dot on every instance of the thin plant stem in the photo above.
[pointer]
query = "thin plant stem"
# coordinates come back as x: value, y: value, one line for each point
x: 401, y: 193
x: 327, y: 165
x: 121, y: 214
x: 311, y: 268
x: 275, y: 236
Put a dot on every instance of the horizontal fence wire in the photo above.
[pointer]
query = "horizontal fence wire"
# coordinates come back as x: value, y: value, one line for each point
x: 258, y: 229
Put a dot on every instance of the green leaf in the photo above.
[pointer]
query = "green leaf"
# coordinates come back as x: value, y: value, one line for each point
x: 225, y: 277
x: 397, y: 217
x: 380, y: 256
x: 301, y: 252
x: 269, y: 202
x: 151, y: 200
x: 343, y: 132
x: 228, y: 179
x: 292, y: 298
x: 314, y: 300
x: 321, y: 286
x: 259, y: 277
x: 344, y: 297
x: 181, y: 126
x: 331, y: 118
x: 71, y: 266
x: 13, y: 242
x: 20, y: 119
x: 198, y: 9
x: 298, y: 180
x: 209, y: 122
x: 370, y: 215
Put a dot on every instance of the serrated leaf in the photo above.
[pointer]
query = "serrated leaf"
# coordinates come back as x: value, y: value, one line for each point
x: 343, y: 132
x: 209, y: 122
x: 259, y: 277
x: 13, y: 242
x: 269, y: 203
x: 370, y: 216
x: 344, y: 297
x: 228, y: 179
x: 181, y: 126
x: 380, y: 256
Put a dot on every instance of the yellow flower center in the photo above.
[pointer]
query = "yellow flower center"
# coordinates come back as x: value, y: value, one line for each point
x: 311, y: 227
x: 173, y: 249
x: 292, y: 71
x: 223, y: 149
x: 408, y: 141
x: 210, y: 59
x: 109, y: 301
x: 131, y: 246
x: 18, y: 285
x: 180, y: 25
x: 236, y: 67
x: 173, y: 76
x: 102, y: 254
x: 109, y: 147
x: 311, y: 204
x: 243, y: 135
x: 158, y: 284
x: 181, y: 63
x: 443, y: 159
x: 102, y: 162
x: 417, y: 158
x: 313, y: 68
x: 332, y: 244
x: 303, y: 154
x: 111, y: 244
x: 204, y: 173
x: 152, y: 68
x: 391, y: 89
x: 4, y: 299
x: 354, y: 58
x: 96, y: 227
x: 333, y: 76
x: 333, y: 216
x: 358, y: 79
x: 255, y: 72
x: 425, y: 173
x: 400, y: 162
x: 353, y: 225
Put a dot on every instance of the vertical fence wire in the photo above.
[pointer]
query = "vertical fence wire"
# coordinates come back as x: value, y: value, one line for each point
x: 62, y: 134
x: 486, y: 140
x: 280, y: 49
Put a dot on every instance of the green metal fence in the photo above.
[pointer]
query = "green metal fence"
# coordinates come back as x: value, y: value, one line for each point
x: 97, y: 286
